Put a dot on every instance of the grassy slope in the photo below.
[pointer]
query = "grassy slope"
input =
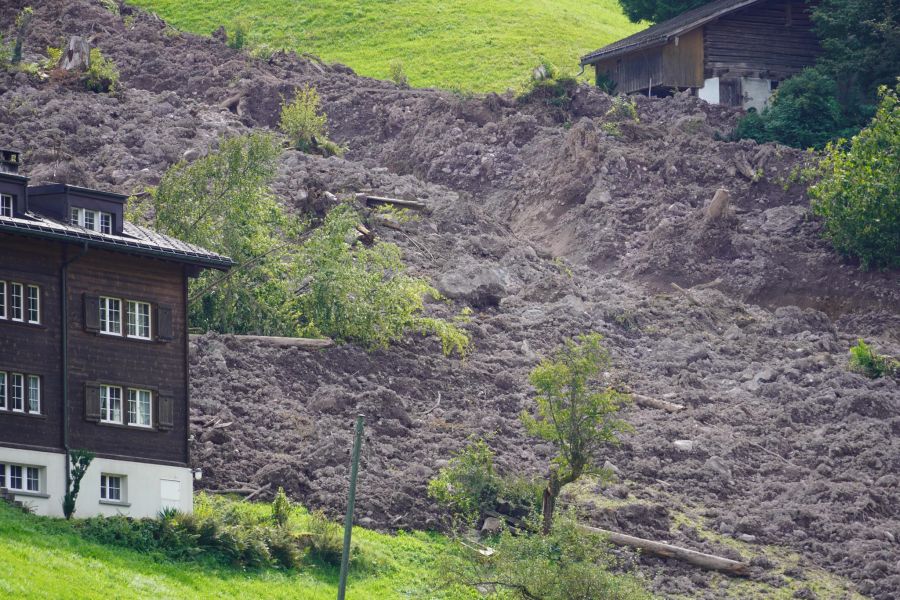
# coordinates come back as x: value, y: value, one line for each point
x: 44, y: 558
x: 471, y: 45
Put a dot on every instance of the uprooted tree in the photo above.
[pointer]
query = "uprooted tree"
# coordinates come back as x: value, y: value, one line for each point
x: 575, y: 413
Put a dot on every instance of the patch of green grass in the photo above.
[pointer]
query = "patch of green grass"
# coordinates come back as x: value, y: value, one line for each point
x: 469, y: 45
x: 45, y: 558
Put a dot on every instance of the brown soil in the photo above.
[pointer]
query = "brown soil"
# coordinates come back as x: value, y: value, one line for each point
x: 549, y: 223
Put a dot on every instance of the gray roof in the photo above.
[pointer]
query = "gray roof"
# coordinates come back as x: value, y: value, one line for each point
x: 133, y: 240
x: 661, y: 33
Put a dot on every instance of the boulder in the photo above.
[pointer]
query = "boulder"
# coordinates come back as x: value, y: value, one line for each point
x: 476, y: 285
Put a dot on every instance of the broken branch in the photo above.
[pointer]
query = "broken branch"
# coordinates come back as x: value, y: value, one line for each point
x: 647, y: 401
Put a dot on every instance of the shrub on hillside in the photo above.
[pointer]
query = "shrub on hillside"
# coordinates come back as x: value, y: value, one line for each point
x: 858, y: 190
x: 398, y: 75
x: 102, y: 74
x: 326, y: 541
x: 306, y: 124
x: 567, y: 563
x: 237, y: 36
x: 866, y: 361
x: 804, y: 113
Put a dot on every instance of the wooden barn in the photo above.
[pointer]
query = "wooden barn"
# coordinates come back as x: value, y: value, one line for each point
x: 732, y: 52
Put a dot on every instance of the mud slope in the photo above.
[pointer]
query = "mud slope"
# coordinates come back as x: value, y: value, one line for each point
x: 548, y: 223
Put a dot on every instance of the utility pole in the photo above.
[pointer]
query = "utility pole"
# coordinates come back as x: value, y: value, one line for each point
x: 351, y: 500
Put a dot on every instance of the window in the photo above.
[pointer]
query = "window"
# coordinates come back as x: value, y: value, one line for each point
x: 2, y: 299
x: 6, y: 205
x: 139, y: 402
x: 16, y: 392
x: 32, y: 479
x: 2, y: 475
x: 15, y: 301
x: 34, y: 304
x: 111, y: 316
x: 139, y: 320
x: 110, y: 404
x: 95, y: 220
x: 34, y: 394
x: 111, y: 487
x: 15, y: 477
x: 2, y: 392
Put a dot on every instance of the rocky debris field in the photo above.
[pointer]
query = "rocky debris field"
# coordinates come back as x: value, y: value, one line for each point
x: 548, y: 221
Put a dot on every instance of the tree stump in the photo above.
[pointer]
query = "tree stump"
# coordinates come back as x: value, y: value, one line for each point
x: 77, y: 56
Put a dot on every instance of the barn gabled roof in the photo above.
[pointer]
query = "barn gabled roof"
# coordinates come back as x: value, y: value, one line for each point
x: 661, y: 33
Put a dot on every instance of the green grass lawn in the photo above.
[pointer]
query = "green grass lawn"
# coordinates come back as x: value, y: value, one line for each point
x: 471, y: 45
x: 45, y: 558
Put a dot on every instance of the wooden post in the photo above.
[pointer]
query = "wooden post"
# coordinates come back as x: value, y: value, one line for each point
x: 351, y: 500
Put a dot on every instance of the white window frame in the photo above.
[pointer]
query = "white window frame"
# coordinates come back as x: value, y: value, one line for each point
x: 105, y: 310
x: 96, y: 220
x: 3, y: 393
x: 13, y: 378
x: 134, y: 404
x: 20, y: 477
x: 137, y: 322
x: 33, y: 394
x: 13, y: 308
x: 108, y: 490
x: 2, y: 475
x: 2, y: 300
x: 107, y: 412
x: 6, y: 205
x: 33, y: 474
x: 36, y: 309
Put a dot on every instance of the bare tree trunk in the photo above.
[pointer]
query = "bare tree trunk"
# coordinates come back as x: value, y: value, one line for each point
x: 548, y: 505
x: 77, y: 56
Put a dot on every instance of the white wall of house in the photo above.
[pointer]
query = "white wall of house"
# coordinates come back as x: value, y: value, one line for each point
x: 756, y: 92
x: 146, y: 488
x: 710, y: 90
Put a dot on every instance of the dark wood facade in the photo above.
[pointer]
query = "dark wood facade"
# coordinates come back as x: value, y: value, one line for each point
x: 159, y: 364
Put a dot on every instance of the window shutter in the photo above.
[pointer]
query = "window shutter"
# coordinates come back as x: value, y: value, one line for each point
x: 92, y: 402
x: 165, y: 419
x: 91, y: 313
x: 164, y: 329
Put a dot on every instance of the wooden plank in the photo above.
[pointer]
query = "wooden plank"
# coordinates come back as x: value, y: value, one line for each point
x: 285, y: 342
x: 367, y: 200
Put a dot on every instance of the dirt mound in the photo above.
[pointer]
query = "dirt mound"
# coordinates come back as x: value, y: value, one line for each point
x: 550, y: 221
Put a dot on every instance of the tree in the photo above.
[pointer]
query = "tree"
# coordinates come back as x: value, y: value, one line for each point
x: 657, y: 10
x: 363, y: 294
x: 573, y: 413
x: 858, y: 191
x: 222, y: 202
x: 81, y: 460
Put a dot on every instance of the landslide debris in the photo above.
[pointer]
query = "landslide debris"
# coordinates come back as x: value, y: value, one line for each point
x: 547, y: 223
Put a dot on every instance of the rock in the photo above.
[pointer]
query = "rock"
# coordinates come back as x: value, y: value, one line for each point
x: 717, y: 465
x: 684, y: 445
x: 765, y: 376
x: 611, y: 467
x: 191, y: 154
x: 746, y: 537
x: 491, y: 526
x: 476, y: 285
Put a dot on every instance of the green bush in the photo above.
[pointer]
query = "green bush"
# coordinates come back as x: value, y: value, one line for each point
x: 102, y: 74
x: 804, y: 113
x: 468, y: 484
x: 864, y: 360
x: 281, y: 508
x: 237, y: 36
x: 326, y: 539
x: 303, y: 120
x: 398, y: 75
x: 363, y: 294
x: 858, y: 190
x: 567, y: 563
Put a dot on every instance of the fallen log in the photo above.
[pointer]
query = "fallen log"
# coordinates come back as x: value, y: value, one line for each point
x: 287, y: 342
x: 690, y: 298
x: 700, y: 559
x: 367, y: 200
x: 647, y: 401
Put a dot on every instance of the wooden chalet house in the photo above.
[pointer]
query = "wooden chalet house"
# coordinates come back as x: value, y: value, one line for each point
x: 732, y: 52
x: 93, y: 350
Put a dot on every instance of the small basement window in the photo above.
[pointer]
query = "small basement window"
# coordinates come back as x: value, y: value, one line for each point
x: 111, y: 488
x: 6, y: 205
x: 21, y: 478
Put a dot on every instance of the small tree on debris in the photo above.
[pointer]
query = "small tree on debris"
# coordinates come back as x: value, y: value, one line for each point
x: 306, y: 124
x: 573, y: 413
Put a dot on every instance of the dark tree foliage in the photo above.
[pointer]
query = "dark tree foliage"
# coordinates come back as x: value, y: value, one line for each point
x: 656, y: 11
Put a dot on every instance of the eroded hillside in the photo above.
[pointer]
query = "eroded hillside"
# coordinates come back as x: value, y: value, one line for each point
x: 548, y: 222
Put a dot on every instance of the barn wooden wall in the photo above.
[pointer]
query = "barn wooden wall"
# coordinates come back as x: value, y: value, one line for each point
x: 770, y: 40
